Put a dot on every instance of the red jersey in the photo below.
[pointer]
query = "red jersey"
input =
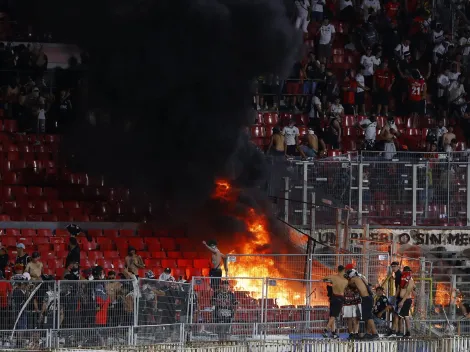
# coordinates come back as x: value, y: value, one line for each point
x: 418, y: 26
x: 416, y: 89
x: 391, y: 9
x: 350, y: 92
x: 384, y: 78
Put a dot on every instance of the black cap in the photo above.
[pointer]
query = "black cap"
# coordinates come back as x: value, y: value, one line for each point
x: 97, y: 270
x: 407, y: 268
x: 395, y: 263
x: 167, y: 270
x: 36, y: 255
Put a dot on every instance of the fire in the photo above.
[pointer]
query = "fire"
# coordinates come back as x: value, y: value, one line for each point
x: 283, y: 291
x: 443, y: 294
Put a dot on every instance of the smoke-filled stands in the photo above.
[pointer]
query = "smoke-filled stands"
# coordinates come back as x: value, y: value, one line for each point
x: 374, y: 55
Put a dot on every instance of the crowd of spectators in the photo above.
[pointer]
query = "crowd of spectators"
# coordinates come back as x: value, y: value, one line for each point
x: 387, y: 72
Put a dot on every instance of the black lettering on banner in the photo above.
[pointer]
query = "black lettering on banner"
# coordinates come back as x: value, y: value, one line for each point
x: 453, y: 239
x: 404, y: 238
x: 464, y: 239
x: 354, y: 235
x: 435, y: 239
x: 419, y: 238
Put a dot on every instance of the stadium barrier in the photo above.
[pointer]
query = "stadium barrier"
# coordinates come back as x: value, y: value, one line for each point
x: 413, y: 189
x: 455, y: 344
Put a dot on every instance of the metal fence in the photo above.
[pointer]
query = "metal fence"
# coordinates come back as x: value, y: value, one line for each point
x: 412, y: 189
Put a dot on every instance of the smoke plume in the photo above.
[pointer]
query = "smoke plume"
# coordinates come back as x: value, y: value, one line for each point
x: 170, y: 86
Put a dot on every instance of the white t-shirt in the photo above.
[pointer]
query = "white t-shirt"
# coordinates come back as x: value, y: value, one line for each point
x: 438, y: 49
x: 441, y: 131
x: 360, y: 80
x: 317, y: 5
x: 316, y: 102
x: 345, y: 3
x: 403, y: 50
x: 42, y: 115
x: 370, y: 129
x: 443, y: 80
x: 464, y: 42
x: 438, y: 37
x: 456, y: 89
x: 290, y: 133
x: 325, y: 33
x: 453, y: 76
x: 337, y: 109
x: 368, y: 62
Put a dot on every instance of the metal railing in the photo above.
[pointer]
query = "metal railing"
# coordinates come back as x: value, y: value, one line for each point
x: 412, y: 189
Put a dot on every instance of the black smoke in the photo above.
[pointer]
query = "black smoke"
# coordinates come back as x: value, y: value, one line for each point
x: 170, y: 83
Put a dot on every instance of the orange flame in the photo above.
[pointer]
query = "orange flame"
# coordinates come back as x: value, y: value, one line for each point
x: 443, y: 294
x: 284, y: 292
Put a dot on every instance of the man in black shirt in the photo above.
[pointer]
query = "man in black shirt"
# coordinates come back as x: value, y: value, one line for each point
x: 4, y: 259
x: 74, y: 252
x: 397, y: 275
x: 381, y: 303
x: 22, y: 257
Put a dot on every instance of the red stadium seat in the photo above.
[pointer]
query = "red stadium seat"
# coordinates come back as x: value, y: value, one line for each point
x: 201, y: 263
x: 28, y: 232
x: 190, y: 272
x: 105, y: 244
x: 190, y: 255
x: 174, y: 255
x: 40, y: 239
x: 349, y: 121
x: 182, y: 263
x: 110, y: 233
x: 158, y: 254
x: 257, y: 131
x: 169, y: 263
x: 35, y: 192
x: 95, y: 255
x: 110, y: 254
x: 184, y: 244
x: 8, y: 241
x: 127, y: 233
x: 271, y: 118
x: 50, y: 217
x: 137, y: 243
x: 153, y: 262
x: 13, y: 232
x: 168, y: 243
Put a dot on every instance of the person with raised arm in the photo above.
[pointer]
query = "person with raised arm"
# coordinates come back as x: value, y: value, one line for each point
x: 217, y: 258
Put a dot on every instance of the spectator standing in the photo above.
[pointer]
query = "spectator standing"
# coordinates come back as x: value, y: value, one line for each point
x: 311, y: 68
x: 349, y: 88
x: 5, y: 295
x: 336, y: 109
x: 456, y: 98
x: 369, y: 126
x: 316, y: 106
x: 225, y: 304
x: 325, y: 42
x: 302, y: 15
x: 452, y: 147
x: 382, y: 85
x: 360, y: 91
x: 166, y: 275
x: 35, y: 267
x: 4, y: 260
x: 334, y: 132
x: 291, y: 138
x: 317, y: 10
x: 19, y: 297
x: 134, y: 261
x: 388, y: 135
x: 276, y: 146
x: 443, y: 83
x: 74, y: 252
x: 369, y: 62
x: 22, y: 257
x: 448, y: 136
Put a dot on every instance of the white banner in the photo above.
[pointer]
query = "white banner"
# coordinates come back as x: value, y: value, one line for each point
x: 452, y: 240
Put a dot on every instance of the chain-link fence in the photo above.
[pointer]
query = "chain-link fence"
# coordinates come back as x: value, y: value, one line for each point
x: 412, y: 189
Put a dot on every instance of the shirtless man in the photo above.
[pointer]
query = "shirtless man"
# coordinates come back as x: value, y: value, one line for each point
x: 404, y: 302
x: 448, y: 137
x: 217, y: 258
x: 367, y: 302
x: 336, y: 295
x: 388, y: 134
x: 276, y: 145
x: 310, y: 144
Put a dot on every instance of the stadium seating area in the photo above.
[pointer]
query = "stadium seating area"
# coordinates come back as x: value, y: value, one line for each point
x: 413, y: 138
x: 108, y: 249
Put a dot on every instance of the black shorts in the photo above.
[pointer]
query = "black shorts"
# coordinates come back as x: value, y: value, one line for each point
x: 417, y: 107
x: 336, y: 305
x: 360, y: 98
x: 292, y: 150
x: 367, y: 305
x: 405, y: 310
x: 216, y: 276
x: 381, y: 97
